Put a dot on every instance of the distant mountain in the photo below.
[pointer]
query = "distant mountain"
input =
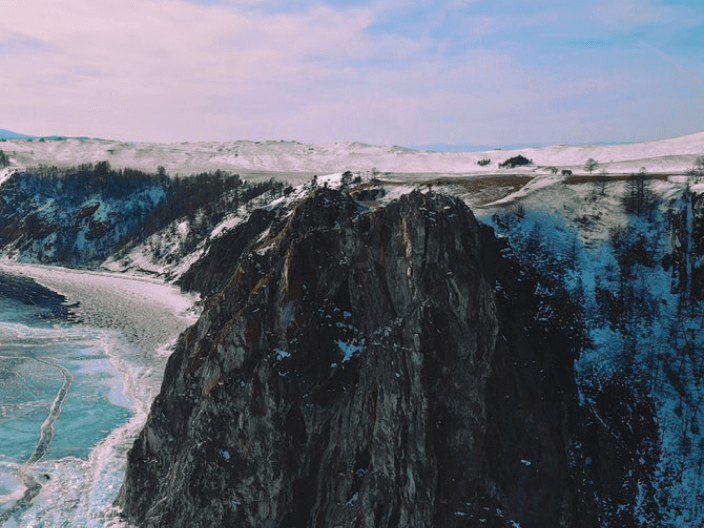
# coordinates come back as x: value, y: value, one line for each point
x: 7, y: 134
x: 467, y: 147
x: 300, y: 161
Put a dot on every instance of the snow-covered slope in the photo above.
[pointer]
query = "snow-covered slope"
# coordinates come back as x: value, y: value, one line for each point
x: 638, y: 279
x: 676, y: 154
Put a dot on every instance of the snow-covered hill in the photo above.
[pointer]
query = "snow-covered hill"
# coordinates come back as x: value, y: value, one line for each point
x: 677, y: 154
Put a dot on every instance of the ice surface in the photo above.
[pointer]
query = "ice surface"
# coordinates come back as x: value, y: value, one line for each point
x: 115, y: 359
x: 145, y: 309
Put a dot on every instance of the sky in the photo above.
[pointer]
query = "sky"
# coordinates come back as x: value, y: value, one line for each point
x: 402, y: 72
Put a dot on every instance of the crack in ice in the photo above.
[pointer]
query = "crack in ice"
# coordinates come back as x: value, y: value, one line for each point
x: 46, y: 435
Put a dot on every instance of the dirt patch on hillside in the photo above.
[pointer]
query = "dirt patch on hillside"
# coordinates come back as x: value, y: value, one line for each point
x: 593, y: 178
x: 480, y: 190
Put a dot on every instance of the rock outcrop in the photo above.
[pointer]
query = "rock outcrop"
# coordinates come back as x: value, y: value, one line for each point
x: 363, y: 368
x: 686, y: 256
x: 211, y: 271
x: 58, y: 220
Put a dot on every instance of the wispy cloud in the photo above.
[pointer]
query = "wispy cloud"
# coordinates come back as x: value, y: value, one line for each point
x: 394, y: 71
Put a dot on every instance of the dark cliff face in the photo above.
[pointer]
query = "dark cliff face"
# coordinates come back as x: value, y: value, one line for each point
x: 364, y: 368
x: 687, y: 247
x: 54, y: 221
x: 211, y: 272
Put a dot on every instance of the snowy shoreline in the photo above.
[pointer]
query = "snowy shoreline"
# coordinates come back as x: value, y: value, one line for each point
x: 150, y: 312
x: 136, y: 320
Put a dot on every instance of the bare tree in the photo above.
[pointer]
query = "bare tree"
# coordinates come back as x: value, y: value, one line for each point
x: 694, y: 176
x: 346, y: 179
x: 374, y: 176
x: 601, y: 180
x: 638, y: 197
x: 590, y: 165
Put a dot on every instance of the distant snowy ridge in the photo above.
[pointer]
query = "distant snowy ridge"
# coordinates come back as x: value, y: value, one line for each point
x: 8, y: 134
x: 676, y: 154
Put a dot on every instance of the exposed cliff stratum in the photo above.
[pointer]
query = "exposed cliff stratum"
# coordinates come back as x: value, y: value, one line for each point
x: 365, y: 368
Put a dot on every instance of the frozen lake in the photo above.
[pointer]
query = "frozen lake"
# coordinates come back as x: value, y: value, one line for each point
x: 75, y: 388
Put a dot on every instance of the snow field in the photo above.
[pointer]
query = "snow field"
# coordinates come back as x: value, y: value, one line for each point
x: 288, y: 158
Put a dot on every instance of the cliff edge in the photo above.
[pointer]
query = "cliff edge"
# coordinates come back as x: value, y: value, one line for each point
x: 362, y: 367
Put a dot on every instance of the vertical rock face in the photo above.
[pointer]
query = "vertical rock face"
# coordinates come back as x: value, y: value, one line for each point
x: 687, y: 247
x: 360, y: 369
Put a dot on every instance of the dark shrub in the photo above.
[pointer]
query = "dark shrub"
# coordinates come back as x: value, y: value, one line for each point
x: 515, y: 161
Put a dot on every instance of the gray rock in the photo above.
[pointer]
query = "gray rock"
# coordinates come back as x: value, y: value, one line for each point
x: 364, y: 368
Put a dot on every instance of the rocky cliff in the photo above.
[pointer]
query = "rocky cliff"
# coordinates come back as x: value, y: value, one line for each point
x: 69, y: 220
x: 362, y: 367
x: 686, y: 256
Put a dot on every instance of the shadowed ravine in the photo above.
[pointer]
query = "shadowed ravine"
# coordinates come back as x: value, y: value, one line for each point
x: 46, y: 435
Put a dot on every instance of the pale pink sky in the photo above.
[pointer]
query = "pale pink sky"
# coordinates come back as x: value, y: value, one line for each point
x: 392, y: 72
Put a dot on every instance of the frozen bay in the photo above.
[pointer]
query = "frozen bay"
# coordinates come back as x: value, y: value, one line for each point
x: 76, y: 384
